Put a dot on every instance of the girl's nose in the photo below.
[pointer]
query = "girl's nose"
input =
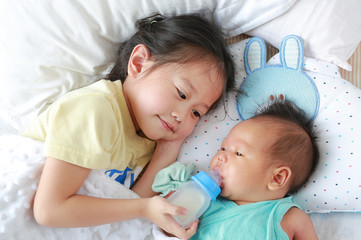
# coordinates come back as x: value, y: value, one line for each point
x: 177, y: 116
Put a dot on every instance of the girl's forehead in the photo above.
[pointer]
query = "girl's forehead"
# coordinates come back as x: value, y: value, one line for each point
x: 202, y: 74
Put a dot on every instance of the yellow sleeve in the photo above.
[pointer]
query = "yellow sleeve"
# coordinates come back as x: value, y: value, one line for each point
x: 82, y: 130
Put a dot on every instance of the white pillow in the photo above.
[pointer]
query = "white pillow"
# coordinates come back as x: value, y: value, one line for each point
x: 336, y: 183
x: 330, y: 29
x: 49, y: 48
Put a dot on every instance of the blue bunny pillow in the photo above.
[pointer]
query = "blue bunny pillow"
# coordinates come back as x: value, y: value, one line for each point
x: 286, y: 80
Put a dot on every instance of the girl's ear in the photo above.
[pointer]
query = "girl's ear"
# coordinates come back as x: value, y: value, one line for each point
x: 137, y: 59
x: 280, y: 178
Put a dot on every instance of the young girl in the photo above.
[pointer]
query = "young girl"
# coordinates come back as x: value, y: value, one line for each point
x: 169, y: 74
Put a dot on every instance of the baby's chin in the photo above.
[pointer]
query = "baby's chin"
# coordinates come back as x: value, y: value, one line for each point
x: 224, y: 193
x: 227, y: 195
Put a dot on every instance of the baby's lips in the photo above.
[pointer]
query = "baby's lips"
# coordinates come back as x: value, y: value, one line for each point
x: 221, y: 184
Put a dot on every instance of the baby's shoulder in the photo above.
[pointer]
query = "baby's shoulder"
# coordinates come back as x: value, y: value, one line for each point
x: 298, y: 225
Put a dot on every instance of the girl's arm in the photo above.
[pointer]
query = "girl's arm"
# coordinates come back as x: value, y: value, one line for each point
x: 165, y: 154
x: 57, y: 203
x: 298, y: 225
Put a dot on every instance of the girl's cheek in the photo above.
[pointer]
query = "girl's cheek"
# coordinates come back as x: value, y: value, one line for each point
x: 188, y: 129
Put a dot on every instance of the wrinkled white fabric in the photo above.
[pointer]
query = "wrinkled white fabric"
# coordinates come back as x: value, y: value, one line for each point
x: 20, y: 168
x: 49, y: 47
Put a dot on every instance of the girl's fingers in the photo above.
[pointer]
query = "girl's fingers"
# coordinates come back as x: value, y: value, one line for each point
x: 177, y: 230
x: 194, y: 226
x: 174, y: 210
x: 180, y: 211
x: 191, y: 230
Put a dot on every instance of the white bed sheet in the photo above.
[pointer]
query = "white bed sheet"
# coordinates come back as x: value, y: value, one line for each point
x: 337, y: 226
x: 20, y: 168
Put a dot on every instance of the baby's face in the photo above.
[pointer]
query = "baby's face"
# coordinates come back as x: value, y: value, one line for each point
x: 244, y: 162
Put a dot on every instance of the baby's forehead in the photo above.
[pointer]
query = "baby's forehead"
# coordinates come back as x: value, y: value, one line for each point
x: 255, y: 127
x: 267, y: 126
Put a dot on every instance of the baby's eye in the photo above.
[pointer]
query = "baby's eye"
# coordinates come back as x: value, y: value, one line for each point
x: 239, y: 154
x: 223, y: 149
x: 196, y: 113
x: 181, y: 94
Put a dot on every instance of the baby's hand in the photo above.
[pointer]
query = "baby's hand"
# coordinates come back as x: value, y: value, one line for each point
x: 159, y: 212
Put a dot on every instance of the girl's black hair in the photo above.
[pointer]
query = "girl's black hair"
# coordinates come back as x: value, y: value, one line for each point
x: 179, y: 39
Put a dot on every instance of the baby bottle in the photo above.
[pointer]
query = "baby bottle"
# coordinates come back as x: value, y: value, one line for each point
x: 195, y: 196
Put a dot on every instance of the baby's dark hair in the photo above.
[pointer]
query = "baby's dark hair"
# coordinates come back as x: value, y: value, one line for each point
x: 178, y: 39
x: 296, y: 143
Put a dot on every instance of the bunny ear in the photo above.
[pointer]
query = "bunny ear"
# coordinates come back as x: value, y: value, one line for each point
x: 254, y: 54
x: 291, y: 52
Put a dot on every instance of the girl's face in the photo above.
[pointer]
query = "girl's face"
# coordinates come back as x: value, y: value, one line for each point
x: 167, y: 102
x: 244, y: 162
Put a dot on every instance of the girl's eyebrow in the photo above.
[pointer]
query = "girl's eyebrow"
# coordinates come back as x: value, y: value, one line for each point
x: 189, y: 84
x: 193, y: 89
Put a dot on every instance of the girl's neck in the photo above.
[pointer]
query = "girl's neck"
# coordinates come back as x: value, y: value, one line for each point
x: 135, y: 123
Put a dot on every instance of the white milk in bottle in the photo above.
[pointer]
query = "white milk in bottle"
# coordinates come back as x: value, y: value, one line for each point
x: 195, y: 196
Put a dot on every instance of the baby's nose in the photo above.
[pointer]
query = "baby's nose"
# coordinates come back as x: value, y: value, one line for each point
x: 223, y: 158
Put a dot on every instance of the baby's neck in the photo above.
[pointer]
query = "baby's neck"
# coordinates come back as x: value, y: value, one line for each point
x: 243, y: 202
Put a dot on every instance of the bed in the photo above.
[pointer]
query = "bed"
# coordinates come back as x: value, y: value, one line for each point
x: 49, y: 48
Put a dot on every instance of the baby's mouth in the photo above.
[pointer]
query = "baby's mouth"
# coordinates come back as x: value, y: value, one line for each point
x: 221, y: 185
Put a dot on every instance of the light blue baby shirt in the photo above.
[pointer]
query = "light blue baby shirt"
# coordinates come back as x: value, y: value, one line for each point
x: 225, y: 219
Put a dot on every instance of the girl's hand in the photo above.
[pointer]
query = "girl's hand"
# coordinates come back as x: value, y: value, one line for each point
x: 159, y: 212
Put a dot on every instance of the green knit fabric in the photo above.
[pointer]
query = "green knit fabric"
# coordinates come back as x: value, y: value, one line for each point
x: 171, y: 178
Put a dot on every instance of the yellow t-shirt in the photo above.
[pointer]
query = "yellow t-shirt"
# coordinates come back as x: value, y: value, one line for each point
x: 92, y: 127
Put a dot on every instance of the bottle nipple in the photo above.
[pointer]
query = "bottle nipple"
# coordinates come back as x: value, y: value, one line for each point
x: 214, y: 174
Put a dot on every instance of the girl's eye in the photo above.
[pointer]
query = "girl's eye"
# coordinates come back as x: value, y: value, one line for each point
x: 196, y: 114
x: 239, y: 154
x: 181, y: 94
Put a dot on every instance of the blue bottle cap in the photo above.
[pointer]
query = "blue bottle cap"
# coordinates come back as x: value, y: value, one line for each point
x: 208, y: 184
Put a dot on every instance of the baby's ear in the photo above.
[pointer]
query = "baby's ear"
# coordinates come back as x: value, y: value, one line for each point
x: 280, y: 178
x: 137, y: 59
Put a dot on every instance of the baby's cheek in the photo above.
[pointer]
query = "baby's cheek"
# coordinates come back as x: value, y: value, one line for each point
x: 213, y: 162
x: 224, y: 192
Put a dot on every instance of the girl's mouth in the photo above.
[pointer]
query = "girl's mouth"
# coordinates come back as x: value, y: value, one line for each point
x: 167, y: 126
